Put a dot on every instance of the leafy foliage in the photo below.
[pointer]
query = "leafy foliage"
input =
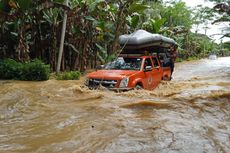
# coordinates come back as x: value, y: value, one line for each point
x: 72, y: 75
x: 177, y: 14
x: 10, y: 69
x: 154, y: 26
x: 222, y: 7
x: 31, y: 29
x: 34, y: 70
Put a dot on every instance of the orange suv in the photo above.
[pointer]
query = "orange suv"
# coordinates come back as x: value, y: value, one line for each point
x: 129, y: 72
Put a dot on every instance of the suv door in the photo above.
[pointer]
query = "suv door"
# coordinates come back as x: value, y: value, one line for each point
x: 156, y: 72
x: 148, y: 80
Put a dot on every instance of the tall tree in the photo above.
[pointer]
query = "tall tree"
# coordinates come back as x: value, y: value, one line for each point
x: 223, y: 8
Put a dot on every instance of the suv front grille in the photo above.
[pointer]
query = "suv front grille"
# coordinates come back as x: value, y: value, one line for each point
x: 105, y: 83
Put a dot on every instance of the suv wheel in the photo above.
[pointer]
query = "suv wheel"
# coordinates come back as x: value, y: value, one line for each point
x: 138, y: 87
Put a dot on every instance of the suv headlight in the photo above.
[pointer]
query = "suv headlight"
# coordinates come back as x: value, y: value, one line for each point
x: 124, y: 82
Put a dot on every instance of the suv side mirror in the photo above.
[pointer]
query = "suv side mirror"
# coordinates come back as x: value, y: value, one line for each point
x: 157, y: 67
x: 148, y: 68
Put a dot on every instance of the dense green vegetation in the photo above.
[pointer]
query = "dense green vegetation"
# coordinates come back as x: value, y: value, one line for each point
x: 34, y: 70
x: 72, y: 75
x: 31, y: 29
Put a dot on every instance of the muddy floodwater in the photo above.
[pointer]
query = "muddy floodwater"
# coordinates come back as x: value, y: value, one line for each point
x: 190, y: 114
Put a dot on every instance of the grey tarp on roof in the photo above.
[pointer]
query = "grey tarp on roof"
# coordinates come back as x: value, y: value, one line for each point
x: 142, y: 39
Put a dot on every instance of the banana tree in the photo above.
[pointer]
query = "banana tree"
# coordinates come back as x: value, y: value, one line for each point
x: 15, y: 12
x: 154, y: 26
x: 52, y: 16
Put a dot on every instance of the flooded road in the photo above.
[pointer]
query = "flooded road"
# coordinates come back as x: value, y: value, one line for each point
x: 189, y: 114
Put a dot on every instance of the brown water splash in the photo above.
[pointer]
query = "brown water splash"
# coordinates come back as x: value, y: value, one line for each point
x: 190, y: 114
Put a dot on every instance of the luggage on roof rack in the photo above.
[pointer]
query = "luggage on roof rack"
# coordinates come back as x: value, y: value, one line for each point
x: 141, y: 40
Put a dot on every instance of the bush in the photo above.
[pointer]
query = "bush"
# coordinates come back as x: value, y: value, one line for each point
x: 179, y: 59
x: 34, y: 70
x: 72, y: 75
x: 10, y: 69
x: 192, y: 58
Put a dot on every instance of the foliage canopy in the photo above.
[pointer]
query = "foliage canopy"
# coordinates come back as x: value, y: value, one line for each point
x: 31, y: 29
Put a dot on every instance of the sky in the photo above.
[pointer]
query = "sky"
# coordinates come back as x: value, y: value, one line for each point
x: 212, y: 29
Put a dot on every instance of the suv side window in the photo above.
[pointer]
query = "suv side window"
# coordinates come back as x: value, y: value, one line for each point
x: 155, y: 62
x: 148, y: 62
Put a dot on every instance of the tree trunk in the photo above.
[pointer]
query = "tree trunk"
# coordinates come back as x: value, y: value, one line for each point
x: 119, y: 25
x: 53, y: 49
x: 62, y: 38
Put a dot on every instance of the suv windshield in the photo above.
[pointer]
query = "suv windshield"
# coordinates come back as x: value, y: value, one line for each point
x: 124, y: 63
